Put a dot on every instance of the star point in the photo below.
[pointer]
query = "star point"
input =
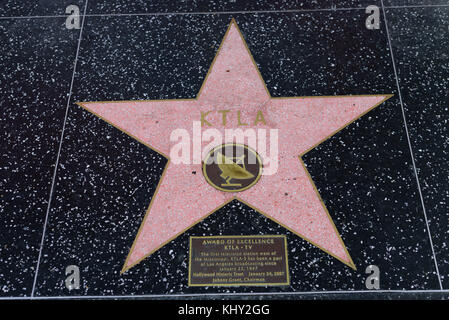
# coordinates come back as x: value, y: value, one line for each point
x: 235, y: 93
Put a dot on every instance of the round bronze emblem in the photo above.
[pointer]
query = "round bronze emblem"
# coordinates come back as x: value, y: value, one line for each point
x: 232, y: 167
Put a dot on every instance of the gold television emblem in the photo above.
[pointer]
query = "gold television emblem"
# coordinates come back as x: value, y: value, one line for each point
x: 232, y: 167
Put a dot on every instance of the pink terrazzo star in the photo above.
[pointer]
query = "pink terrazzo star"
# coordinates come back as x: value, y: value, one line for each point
x: 233, y: 83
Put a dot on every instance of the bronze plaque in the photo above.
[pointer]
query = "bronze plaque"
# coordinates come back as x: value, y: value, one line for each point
x: 238, y: 261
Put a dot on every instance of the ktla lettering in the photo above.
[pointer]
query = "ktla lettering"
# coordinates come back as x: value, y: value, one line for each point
x: 245, y: 309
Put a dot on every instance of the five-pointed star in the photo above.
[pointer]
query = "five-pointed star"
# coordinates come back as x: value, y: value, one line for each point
x: 288, y: 197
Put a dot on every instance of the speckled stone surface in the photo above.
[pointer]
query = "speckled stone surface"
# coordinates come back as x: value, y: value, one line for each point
x: 194, y: 6
x: 35, y: 63
x: 161, y: 6
x: 377, y: 211
x: 422, y: 54
x: 13, y: 8
x: 106, y: 179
